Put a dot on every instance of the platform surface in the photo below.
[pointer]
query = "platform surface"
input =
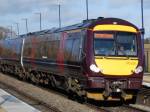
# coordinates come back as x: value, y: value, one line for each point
x: 146, y: 80
x: 9, y: 103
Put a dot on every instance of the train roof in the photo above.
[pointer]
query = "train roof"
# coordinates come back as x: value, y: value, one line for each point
x: 82, y: 25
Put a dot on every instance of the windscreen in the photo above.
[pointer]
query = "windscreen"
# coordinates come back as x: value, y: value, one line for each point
x: 115, y: 44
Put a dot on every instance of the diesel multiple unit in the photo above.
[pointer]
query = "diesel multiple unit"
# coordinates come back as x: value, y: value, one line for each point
x: 100, y: 59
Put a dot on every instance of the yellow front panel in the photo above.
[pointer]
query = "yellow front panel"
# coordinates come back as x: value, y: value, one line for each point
x: 112, y: 27
x: 114, y: 66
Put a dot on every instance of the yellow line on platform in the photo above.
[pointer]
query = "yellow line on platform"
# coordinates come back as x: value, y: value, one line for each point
x: 146, y: 79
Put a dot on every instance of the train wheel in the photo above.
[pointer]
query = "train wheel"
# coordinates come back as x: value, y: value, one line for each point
x: 131, y: 101
x: 4, y: 69
x: 75, y: 97
x: 20, y: 74
x: 24, y: 77
x: 35, y: 78
x: 81, y: 99
x: 27, y: 75
x: 75, y: 90
x: 52, y: 82
x: 71, y: 95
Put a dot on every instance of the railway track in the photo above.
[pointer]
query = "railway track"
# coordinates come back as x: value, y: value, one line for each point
x: 145, y: 91
x: 122, y: 108
x: 44, y: 106
x: 138, y: 107
x: 144, y: 96
x: 50, y: 100
x: 37, y: 103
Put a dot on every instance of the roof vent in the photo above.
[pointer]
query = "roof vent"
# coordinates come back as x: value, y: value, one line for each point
x: 100, y: 18
x: 89, y: 20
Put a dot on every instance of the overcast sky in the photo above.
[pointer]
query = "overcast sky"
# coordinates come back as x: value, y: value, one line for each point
x: 72, y: 11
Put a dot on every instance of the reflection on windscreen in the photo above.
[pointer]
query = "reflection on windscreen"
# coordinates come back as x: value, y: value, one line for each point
x: 121, y: 44
x: 104, y: 46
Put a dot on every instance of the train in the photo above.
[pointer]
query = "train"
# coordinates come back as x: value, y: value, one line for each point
x: 100, y: 59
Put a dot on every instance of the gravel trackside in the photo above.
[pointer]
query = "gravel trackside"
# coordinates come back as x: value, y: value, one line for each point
x: 51, y: 99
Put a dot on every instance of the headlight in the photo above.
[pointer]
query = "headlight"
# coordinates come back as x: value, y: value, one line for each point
x: 94, y: 68
x: 138, y: 69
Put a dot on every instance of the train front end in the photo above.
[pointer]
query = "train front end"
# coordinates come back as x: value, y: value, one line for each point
x: 115, y: 68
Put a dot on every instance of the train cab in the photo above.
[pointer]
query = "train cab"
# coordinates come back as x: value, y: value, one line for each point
x: 116, y: 67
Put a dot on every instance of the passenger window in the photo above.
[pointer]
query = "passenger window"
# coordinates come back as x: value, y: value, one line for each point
x: 68, y: 49
x: 75, y: 50
x: 27, y: 49
x: 43, y: 49
x: 53, y: 47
